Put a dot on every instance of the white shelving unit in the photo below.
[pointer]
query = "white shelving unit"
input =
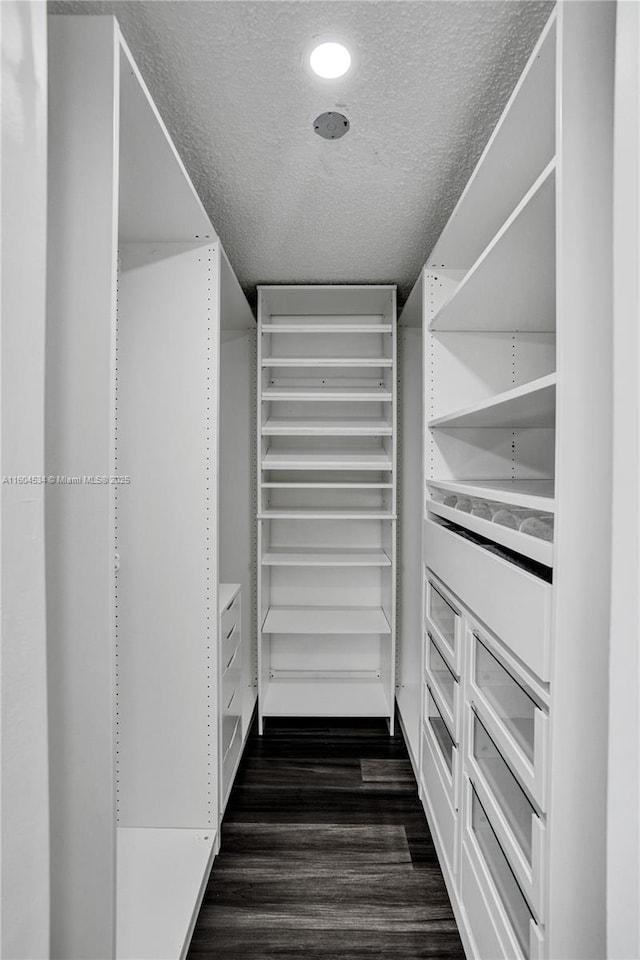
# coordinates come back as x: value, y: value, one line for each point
x: 146, y: 321
x: 514, y: 500
x: 326, y: 452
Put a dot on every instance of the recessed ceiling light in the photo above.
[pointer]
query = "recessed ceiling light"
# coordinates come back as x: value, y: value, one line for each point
x: 330, y: 60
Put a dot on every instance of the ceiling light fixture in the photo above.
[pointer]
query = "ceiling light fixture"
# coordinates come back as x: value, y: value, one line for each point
x: 330, y: 60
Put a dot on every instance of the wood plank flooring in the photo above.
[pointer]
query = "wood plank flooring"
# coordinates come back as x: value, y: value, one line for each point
x: 326, y: 853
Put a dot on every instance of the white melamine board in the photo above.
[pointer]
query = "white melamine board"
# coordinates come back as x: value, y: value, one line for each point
x: 329, y: 327
x: 322, y: 698
x: 312, y: 586
x: 325, y: 556
x: 327, y: 301
x: 326, y: 513
x: 369, y: 392
x: 470, y: 367
x: 410, y: 552
x: 314, y: 426
x: 504, y: 453
x: 512, y: 285
x: 411, y: 315
x: 25, y: 839
x: 235, y: 312
x: 521, y: 145
x: 162, y: 875
x: 325, y: 620
x: 81, y: 305
x: 534, y: 494
x: 226, y: 593
x: 623, y: 795
x: 311, y: 485
x: 157, y: 198
x: 528, y: 546
x: 167, y: 579
x: 338, y: 459
x: 577, y: 831
x: 530, y: 405
x: 327, y: 362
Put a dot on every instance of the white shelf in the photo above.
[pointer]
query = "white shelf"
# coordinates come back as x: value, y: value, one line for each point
x: 531, y: 405
x: 327, y: 327
x: 322, y: 698
x: 327, y: 362
x: 162, y: 874
x: 326, y: 460
x: 512, y: 284
x: 371, y: 393
x: 523, y: 543
x: 325, y: 557
x: 315, y: 427
x: 327, y: 486
x: 532, y: 494
x: 326, y: 513
x: 337, y: 620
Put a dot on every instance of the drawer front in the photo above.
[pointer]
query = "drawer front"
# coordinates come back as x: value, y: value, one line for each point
x: 511, y: 716
x: 443, y: 620
x: 231, y: 679
x: 513, y: 921
x: 229, y: 647
x: 516, y: 824
x: 231, y: 716
x: 230, y: 617
x: 441, y: 677
x: 438, y: 798
x: 229, y: 762
x: 514, y: 604
x: 442, y: 738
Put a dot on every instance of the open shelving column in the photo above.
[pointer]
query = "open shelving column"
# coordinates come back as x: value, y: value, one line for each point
x: 326, y: 452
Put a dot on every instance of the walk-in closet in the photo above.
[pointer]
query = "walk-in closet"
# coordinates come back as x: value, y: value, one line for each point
x: 321, y: 517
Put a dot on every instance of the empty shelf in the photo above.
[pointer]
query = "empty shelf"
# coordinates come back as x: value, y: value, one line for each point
x: 162, y: 874
x: 326, y: 513
x: 315, y: 427
x: 326, y: 460
x: 331, y: 394
x: 321, y: 698
x: 336, y: 620
x: 325, y: 557
x: 531, y: 405
x: 327, y: 328
x: 326, y: 486
x: 327, y: 362
x: 512, y: 284
x: 534, y: 494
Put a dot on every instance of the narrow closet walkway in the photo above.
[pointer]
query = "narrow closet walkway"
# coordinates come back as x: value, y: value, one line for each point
x: 325, y: 853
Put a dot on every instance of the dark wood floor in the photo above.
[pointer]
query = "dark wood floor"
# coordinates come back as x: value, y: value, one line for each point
x: 325, y: 853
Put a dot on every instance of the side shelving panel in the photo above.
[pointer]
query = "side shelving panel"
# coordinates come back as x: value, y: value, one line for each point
x: 326, y: 501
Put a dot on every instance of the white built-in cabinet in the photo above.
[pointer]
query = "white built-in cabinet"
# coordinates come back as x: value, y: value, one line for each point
x: 146, y: 322
x: 326, y: 451
x: 513, y: 311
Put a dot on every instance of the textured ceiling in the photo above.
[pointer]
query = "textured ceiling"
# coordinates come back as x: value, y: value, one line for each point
x: 228, y: 78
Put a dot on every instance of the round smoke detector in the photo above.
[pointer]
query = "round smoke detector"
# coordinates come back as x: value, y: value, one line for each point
x: 331, y: 125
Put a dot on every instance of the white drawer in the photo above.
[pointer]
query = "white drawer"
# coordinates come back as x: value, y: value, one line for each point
x: 228, y: 648
x: 229, y: 762
x: 439, y: 791
x: 513, y: 603
x: 502, y: 924
x: 230, y: 617
x: 231, y: 678
x: 441, y: 678
x: 513, y: 718
x: 443, y: 619
x: 515, y: 821
x: 230, y: 720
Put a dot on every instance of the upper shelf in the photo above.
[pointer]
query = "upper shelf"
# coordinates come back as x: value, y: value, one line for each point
x: 338, y: 459
x: 327, y: 362
x: 314, y: 427
x: 315, y: 324
x: 157, y: 201
x: 359, y: 302
x: 532, y: 494
x: 512, y: 284
x: 522, y: 143
x: 530, y: 405
x: 365, y: 393
x: 337, y: 620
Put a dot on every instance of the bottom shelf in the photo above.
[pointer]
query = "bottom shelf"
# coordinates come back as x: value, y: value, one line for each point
x: 325, y: 698
x: 162, y: 874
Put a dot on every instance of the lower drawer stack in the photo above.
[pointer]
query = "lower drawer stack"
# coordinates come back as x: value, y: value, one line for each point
x: 484, y: 742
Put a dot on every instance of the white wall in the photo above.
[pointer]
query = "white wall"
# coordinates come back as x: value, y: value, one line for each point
x: 623, y: 855
x: 24, y: 905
